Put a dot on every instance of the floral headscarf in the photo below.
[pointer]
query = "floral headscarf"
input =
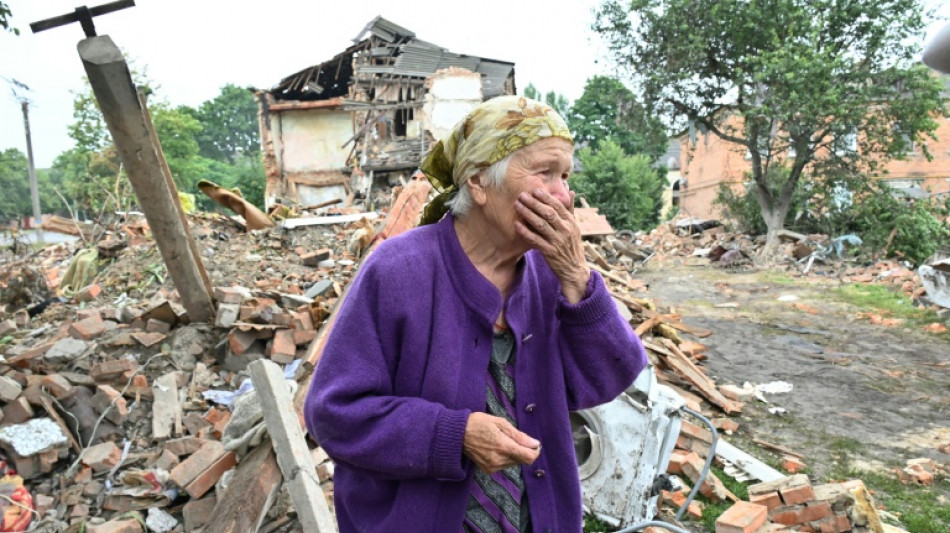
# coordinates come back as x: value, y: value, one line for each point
x: 489, y: 133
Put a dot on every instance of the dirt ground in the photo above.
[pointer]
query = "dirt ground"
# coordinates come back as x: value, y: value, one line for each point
x: 882, y: 392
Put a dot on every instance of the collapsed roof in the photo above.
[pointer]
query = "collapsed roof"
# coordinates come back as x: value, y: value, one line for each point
x: 394, y: 52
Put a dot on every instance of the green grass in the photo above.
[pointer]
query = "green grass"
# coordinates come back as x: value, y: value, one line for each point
x: 919, y: 508
x: 713, y: 511
x: 776, y: 278
x: 593, y: 524
x: 845, y: 445
x: 886, y: 301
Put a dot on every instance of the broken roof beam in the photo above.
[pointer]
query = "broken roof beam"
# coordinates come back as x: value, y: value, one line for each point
x: 145, y: 165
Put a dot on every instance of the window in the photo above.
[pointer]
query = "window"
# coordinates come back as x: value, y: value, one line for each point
x: 909, y: 147
x: 846, y: 143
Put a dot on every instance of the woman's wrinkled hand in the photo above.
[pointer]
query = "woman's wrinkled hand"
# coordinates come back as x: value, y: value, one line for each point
x: 551, y: 229
x: 492, y: 443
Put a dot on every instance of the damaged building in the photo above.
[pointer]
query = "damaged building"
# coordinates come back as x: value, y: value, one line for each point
x: 371, y: 111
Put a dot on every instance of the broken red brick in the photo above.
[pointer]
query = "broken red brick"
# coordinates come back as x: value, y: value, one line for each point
x: 240, y: 341
x: 792, y: 464
x: 17, y: 411
x: 695, y: 432
x: 192, y: 467
x: 726, y: 424
x: 88, y: 293
x: 10, y: 389
x: 108, y: 370
x: 197, y: 513
x: 770, y: 499
x: 305, y: 336
x: 218, y: 418
x: 677, y: 459
x: 155, y: 325
x: 794, y: 495
x: 301, y: 321
x: 184, y: 446
x: 87, y: 329
x: 282, y: 349
x: 228, y: 295
x: 742, y: 517
x: 206, y: 479
x: 102, y: 456
x: 167, y: 461
x: 58, y: 386
x: 148, y: 339
x: 106, y: 396
x: 800, y: 514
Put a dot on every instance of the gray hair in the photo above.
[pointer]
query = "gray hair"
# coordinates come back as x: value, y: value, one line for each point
x: 494, y: 176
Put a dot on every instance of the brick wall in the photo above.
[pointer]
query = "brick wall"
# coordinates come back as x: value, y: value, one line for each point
x: 709, y: 161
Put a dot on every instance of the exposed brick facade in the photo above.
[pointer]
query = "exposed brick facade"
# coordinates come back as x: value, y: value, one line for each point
x: 709, y: 161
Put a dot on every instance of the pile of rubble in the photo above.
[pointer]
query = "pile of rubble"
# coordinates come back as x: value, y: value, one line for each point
x: 121, y: 415
x: 787, y: 502
x: 799, y: 255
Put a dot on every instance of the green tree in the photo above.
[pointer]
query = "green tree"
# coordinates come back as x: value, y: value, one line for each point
x: 795, y: 80
x: 5, y: 18
x: 609, y: 109
x: 625, y: 188
x: 557, y: 101
x: 229, y: 125
x: 532, y: 92
x: 15, y: 184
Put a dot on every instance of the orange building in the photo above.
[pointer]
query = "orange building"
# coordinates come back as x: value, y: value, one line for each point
x: 706, y: 161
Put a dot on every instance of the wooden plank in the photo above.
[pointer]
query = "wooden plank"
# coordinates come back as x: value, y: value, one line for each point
x: 682, y: 365
x: 648, y: 325
x: 291, y: 223
x: 632, y: 285
x: 170, y: 183
x: 632, y: 303
x: 115, y: 93
x: 692, y: 330
x: 166, y: 412
x: 250, y: 494
x: 595, y: 255
x: 293, y: 455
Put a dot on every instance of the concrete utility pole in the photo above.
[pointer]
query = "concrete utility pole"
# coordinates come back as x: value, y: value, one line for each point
x: 141, y: 154
x: 34, y: 188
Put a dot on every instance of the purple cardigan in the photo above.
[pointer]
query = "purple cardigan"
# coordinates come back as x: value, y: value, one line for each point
x: 405, y: 365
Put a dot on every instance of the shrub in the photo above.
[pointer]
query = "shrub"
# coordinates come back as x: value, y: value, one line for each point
x: 626, y: 189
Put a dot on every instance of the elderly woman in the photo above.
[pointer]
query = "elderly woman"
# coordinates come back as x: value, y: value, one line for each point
x: 444, y: 389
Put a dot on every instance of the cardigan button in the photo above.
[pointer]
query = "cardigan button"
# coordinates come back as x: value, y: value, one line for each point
x: 529, y: 408
x: 539, y: 473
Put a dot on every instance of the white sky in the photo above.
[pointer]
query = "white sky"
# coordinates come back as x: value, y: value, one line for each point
x: 193, y: 47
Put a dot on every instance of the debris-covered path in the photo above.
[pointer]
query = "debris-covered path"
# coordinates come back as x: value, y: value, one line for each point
x: 885, y: 390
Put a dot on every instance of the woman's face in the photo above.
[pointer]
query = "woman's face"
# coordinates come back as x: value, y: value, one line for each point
x: 546, y: 165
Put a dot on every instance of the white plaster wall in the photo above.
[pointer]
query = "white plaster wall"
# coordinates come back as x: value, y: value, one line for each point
x: 451, y: 95
x: 311, y: 139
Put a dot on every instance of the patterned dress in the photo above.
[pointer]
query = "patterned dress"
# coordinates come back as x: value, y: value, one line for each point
x: 498, y: 502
